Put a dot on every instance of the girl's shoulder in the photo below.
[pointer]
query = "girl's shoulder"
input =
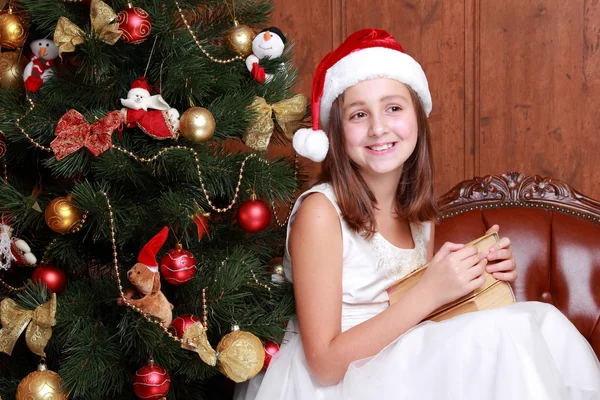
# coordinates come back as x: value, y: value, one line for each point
x: 308, y: 199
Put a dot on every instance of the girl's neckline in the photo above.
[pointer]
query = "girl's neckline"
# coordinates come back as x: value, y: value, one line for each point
x: 412, y: 234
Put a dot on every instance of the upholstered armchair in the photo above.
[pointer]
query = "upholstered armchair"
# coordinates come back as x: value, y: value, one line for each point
x: 555, y: 236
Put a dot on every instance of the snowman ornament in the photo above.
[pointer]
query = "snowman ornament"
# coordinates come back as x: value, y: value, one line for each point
x: 152, y: 114
x: 39, y: 69
x: 269, y: 43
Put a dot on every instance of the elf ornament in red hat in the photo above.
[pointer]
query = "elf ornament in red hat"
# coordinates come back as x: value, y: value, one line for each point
x: 366, y: 54
x: 145, y: 278
x: 151, y: 114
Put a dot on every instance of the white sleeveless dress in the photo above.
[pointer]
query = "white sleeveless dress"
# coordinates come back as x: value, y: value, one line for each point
x: 524, y: 351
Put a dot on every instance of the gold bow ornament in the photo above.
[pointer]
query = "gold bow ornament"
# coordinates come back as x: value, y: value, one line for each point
x: 288, y: 114
x: 67, y: 35
x: 39, y: 323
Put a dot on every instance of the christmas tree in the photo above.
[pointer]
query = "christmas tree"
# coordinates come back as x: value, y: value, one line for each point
x: 142, y: 220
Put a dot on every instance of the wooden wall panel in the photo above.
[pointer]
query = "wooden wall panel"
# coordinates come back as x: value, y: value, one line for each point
x: 539, y: 82
x: 515, y: 83
x: 313, y: 28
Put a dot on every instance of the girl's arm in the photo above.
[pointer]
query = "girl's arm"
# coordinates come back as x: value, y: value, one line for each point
x: 315, y: 246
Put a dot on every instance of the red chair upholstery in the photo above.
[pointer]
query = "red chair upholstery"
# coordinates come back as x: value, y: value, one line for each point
x: 555, y: 236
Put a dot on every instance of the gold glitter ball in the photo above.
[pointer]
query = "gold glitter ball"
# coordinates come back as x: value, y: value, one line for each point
x: 42, y: 384
x: 241, y: 355
x: 197, y: 124
x: 239, y: 39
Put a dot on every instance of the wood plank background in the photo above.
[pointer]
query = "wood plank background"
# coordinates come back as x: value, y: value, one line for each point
x: 515, y: 83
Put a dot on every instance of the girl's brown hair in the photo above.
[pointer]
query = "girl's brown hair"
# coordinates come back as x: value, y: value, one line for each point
x: 415, y: 198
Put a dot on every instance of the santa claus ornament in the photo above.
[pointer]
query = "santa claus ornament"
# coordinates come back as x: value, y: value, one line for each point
x: 13, y: 250
x: 269, y: 43
x: 39, y: 69
x: 151, y: 114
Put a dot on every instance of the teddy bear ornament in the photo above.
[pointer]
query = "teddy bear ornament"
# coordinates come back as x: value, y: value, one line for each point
x: 269, y: 43
x: 145, y: 278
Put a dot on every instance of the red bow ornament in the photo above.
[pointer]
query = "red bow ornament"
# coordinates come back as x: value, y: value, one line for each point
x: 73, y: 132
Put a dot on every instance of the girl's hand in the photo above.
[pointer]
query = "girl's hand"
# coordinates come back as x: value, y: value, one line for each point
x: 501, y: 260
x: 454, y: 271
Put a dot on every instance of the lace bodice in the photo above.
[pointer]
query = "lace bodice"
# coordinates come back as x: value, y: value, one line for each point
x: 369, y: 266
x: 395, y: 262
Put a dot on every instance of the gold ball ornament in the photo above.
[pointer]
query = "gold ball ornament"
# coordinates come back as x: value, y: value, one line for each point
x: 62, y: 216
x: 42, y: 384
x: 239, y: 39
x: 11, y: 69
x: 197, y: 124
x: 13, y: 30
x: 241, y: 355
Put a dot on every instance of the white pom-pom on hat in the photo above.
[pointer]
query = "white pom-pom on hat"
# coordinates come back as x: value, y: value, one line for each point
x: 366, y: 54
x: 312, y: 144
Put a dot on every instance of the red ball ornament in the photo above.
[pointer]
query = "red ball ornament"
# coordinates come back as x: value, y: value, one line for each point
x: 178, y: 266
x: 271, y: 348
x: 151, y: 382
x: 134, y: 24
x: 254, y: 215
x: 182, y: 322
x: 53, y: 277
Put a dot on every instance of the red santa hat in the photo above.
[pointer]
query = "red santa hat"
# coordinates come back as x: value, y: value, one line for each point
x: 142, y: 85
x: 366, y: 54
x: 148, y: 253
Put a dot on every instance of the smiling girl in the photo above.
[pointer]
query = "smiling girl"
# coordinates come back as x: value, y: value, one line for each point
x: 370, y: 222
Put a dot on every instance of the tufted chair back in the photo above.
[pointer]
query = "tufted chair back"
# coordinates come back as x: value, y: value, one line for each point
x: 554, y: 232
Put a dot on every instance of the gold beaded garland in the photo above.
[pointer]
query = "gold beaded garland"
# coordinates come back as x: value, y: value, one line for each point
x: 202, y: 49
x: 196, y: 160
x: 18, y: 124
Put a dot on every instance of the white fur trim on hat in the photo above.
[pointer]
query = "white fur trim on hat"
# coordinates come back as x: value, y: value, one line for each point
x: 371, y: 63
x: 139, y: 91
x: 311, y: 144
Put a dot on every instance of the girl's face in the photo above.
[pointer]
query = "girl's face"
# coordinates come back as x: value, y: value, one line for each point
x: 380, y: 126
